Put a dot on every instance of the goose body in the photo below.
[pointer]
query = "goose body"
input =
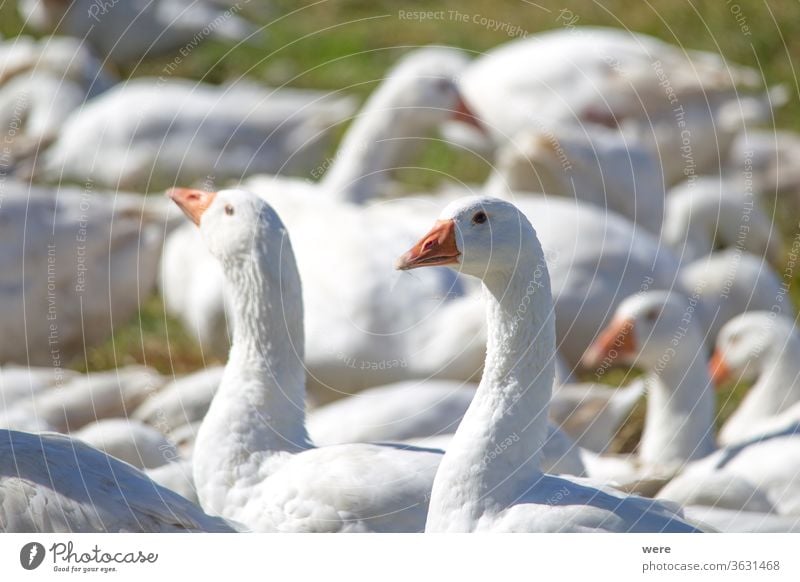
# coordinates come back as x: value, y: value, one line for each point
x: 41, y: 83
x: 127, y: 32
x: 52, y: 483
x: 99, y: 257
x: 127, y: 440
x: 424, y: 414
x: 72, y: 404
x: 489, y: 479
x: 595, y: 164
x: 579, y: 75
x: 185, y: 131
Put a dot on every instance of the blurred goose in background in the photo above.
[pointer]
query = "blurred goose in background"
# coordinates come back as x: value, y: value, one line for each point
x: 731, y: 282
x: 188, y: 131
x: 424, y: 413
x: 619, y: 79
x: 73, y: 266
x: 767, y: 161
x: 41, y: 491
x: 66, y: 58
x: 127, y: 32
x: 489, y: 480
x: 591, y: 163
x: 70, y: 404
x: 41, y: 83
x: 253, y: 455
x: 709, y: 213
x: 180, y: 402
x: 20, y: 382
x: 661, y: 333
x: 129, y: 440
x: 764, y: 347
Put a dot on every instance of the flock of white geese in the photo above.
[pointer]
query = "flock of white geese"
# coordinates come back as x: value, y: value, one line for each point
x: 629, y: 219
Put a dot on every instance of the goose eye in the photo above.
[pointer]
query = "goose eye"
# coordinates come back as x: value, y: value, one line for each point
x: 651, y: 315
x: 479, y: 217
x: 229, y: 210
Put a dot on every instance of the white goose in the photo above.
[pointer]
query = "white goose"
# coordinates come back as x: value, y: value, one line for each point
x: 128, y: 440
x: 52, y: 483
x: 489, y: 479
x: 595, y: 164
x: 98, y: 257
x: 709, y: 213
x: 41, y: 83
x: 614, y: 77
x: 253, y: 457
x: 188, y: 131
x: 70, y: 404
x: 126, y: 32
x: 422, y: 413
x: 662, y: 333
x: 764, y: 346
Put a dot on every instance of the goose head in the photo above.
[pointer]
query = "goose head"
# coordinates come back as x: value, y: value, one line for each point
x: 480, y: 236
x: 647, y: 330
x: 235, y: 225
x: 749, y: 343
x: 422, y: 91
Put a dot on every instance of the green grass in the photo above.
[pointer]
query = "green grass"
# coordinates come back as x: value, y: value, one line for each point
x: 350, y: 44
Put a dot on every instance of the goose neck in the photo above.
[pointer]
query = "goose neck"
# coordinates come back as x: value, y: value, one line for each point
x: 679, y: 424
x: 497, y: 446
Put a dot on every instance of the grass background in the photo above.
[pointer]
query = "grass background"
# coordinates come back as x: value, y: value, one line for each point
x: 333, y: 44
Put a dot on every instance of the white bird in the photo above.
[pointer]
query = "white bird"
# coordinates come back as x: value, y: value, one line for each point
x: 663, y: 334
x: 254, y: 461
x: 765, y: 347
x: 592, y: 163
x: 423, y: 413
x: 64, y: 57
x: 97, y: 260
x: 19, y: 382
x: 127, y: 32
x: 489, y: 479
x: 128, y: 440
x: 731, y: 282
x: 69, y: 405
x: 41, y: 83
x: 184, y: 131
x: 182, y: 401
x: 52, y: 483
x: 707, y: 213
x: 650, y: 89
x: 176, y: 476
x: 391, y: 413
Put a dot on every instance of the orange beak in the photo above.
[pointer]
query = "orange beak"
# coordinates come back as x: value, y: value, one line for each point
x: 438, y: 247
x: 193, y: 202
x: 464, y: 114
x: 719, y: 370
x: 616, y: 342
